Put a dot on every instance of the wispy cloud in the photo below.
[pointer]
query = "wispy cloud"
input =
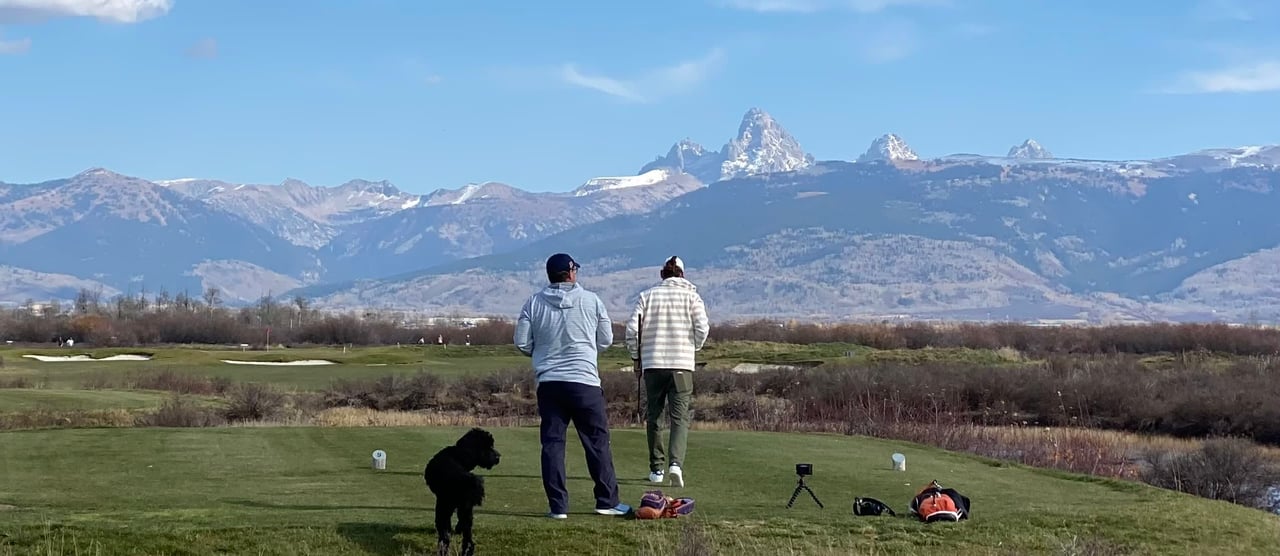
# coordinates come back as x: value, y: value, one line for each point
x: 887, y: 41
x: 650, y: 85
x: 117, y: 11
x: 204, y: 49
x: 1227, y: 10
x: 1256, y: 77
x: 417, y: 70
x: 974, y: 29
x: 812, y: 6
x: 16, y: 46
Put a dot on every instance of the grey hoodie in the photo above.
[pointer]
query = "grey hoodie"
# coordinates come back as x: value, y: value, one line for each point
x: 564, y: 327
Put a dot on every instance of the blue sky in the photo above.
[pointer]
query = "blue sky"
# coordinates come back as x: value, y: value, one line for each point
x: 544, y: 95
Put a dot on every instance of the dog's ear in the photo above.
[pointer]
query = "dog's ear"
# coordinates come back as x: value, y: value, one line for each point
x: 476, y: 438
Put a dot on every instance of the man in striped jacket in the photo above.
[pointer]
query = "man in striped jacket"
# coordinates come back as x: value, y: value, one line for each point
x: 668, y: 326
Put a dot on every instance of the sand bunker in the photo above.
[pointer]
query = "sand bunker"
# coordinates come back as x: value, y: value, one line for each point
x: 66, y: 358
x: 303, y: 362
x: 753, y: 368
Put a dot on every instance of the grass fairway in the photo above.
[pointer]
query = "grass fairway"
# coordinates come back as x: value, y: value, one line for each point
x: 355, y: 363
x: 31, y: 398
x: 310, y: 491
x: 378, y: 361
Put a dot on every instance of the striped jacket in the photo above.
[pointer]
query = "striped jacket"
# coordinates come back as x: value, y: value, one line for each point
x: 668, y: 325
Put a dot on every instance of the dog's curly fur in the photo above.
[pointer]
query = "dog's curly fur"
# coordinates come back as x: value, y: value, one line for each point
x: 456, y: 488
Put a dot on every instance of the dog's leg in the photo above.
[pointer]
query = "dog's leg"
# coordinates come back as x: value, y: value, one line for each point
x: 466, y: 518
x: 444, y: 517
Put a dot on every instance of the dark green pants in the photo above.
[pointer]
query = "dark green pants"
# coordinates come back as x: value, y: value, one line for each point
x: 672, y: 390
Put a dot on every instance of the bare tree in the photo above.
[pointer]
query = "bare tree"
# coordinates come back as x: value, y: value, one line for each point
x: 81, y: 304
x: 212, y: 297
x: 303, y: 305
x: 163, y: 301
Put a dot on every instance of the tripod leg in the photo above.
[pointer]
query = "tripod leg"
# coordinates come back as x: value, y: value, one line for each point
x: 794, y: 495
x: 815, y: 497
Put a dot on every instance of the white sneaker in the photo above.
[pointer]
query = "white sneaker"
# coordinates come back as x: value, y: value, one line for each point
x: 657, y: 477
x: 620, y: 509
x: 676, y: 478
x: 558, y: 516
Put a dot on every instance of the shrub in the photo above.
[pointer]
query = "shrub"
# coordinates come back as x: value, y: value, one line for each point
x: 1230, y: 469
x: 182, y: 411
x: 16, y: 382
x: 254, y: 402
x: 100, y: 380
x: 182, y: 383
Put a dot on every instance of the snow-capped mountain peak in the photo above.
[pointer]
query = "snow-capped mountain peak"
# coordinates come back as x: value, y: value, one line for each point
x: 685, y: 156
x: 596, y: 185
x: 888, y: 147
x: 101, y: 174
x: 1030, y: 149
x: 687, y: 146
x: 762, y: 147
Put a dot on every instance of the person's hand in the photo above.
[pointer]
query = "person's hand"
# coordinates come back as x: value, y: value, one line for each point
x: 635, y: 366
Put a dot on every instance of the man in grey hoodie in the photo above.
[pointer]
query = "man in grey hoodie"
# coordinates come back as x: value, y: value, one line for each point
x: 563, y: 328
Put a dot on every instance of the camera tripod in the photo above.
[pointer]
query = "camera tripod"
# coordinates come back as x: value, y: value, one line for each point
x: 801, y: 486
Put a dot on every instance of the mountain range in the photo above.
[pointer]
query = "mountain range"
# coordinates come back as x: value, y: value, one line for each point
x: 765, y: 228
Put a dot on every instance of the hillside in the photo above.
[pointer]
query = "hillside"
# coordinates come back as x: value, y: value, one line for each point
x: 767, y: 229
x: 953, y: 237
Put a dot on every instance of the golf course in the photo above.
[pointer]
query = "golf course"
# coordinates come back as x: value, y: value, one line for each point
x: 285, y: 483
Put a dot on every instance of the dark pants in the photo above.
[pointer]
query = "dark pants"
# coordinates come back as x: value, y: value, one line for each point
x: 558, y: 404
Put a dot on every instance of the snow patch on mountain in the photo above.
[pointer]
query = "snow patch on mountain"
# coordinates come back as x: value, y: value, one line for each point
x: 167, y: 183
x: 596, y: 185
x: 471, y: 192
x: 466, y: 193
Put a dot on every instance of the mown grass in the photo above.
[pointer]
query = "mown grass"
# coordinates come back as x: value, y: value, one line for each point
x: 370, y: 362
x: 356, y: 362
x: 25, y: 399
x: 310, y: 491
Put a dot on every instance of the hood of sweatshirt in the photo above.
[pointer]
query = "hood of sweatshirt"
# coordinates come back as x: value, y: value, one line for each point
x: 563, y: 295
x: 678, y: 282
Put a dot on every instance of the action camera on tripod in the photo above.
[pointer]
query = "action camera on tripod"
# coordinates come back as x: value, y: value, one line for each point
x: 803, y: 470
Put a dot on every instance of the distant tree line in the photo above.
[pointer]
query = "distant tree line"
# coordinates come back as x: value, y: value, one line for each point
x: 162, y: 318
x: 139, y: 319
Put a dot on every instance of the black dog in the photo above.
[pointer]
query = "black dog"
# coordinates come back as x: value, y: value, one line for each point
x: 449, y: 477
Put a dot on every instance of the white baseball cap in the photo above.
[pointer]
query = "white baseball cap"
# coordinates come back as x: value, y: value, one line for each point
x: 676, y: 260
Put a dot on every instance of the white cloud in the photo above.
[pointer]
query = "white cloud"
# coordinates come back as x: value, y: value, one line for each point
x: 204, y: 49
x: 17, y: 46
x: 118, y: 11
x: 811, y: 6
x: 1255, y: 77
x: 650, y: 85
x: 607, y: 85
